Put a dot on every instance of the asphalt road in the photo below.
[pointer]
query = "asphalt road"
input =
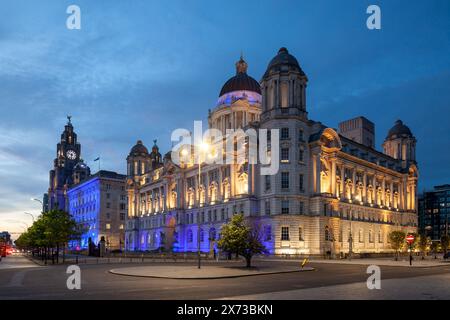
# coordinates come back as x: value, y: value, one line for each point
x: 22, y: 279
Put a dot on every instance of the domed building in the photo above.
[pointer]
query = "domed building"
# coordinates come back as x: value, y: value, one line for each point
x: 401, y: 144
x: 239, y: 101
x: 322, y: 191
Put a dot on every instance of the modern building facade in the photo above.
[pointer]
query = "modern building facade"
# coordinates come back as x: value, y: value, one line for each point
x: 99, y: 204
x: 434, y: 212
x: 333, y: 192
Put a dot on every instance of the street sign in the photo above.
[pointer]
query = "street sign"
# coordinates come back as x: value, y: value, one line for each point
x: 410, y: 238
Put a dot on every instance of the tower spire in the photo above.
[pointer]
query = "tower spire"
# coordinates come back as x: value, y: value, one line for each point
x: 241, y: 65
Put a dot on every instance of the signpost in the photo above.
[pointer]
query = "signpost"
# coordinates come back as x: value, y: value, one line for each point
x: 410, y: 239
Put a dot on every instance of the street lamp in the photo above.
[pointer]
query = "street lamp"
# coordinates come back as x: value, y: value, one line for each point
x: 32, y: 217
x: 38, y: 200
x: 203, y: 148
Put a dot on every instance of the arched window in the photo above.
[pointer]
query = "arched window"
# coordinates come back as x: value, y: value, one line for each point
x: 361, y: 236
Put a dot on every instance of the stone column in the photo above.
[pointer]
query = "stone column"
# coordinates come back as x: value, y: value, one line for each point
x: 333, y: 176
x: 383, y: 191
x: 342, y: 181
x: 364, y: 191
x: 391, y: 200
x: 375, y: 190
x: 318, y: 177
x: 354, y: 183
x: 314, y: 162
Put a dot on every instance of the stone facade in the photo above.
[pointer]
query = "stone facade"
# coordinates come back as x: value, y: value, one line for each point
x: 98, y: 203
x: 331, y: 194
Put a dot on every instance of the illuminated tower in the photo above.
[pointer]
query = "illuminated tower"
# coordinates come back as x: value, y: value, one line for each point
x: 61, y: 176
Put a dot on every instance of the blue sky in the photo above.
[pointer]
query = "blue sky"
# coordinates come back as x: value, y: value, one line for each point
x: 139, y: 69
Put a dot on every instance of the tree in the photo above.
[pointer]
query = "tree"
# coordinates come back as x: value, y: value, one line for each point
x: 53, y: 229
x: 423, y: 244
x: 445, y: 242
x: 397, y: 239
x: 240, y: 238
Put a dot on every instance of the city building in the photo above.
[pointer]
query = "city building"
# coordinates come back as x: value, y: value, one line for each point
x: 99, y: 204
x: 334, y: 193
x: 434, y: 212
x: 6, y: 237
x: 68, y: 153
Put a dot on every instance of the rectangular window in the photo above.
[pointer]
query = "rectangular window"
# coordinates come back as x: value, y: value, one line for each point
x: 300, y: 155
x: 301, y: 207
x: 122, y: 216
x: 121, y: 227
x: 285, y: 207
x: 108, y: 215
x: 267, y: 183
x: 285, y: 180
x: 300, y: 135
x: 284, y: 233
x: 122, y: 206
x: 267, y: 207
x: 108, y: 226
x: 300, y: 234
x: 300, y: 183
x: 108, y: 195
x: 108, y: 205
x: 285, y: 155
x: 284, y: 133
x: 268, y: 233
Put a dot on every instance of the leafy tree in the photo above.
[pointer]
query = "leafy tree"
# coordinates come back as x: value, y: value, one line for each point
x: 397, y: 239
x: 445, y: 242
x: 53, y: 229
x: 423, y: 244
x: 435, y: 248
x: 240, y: 238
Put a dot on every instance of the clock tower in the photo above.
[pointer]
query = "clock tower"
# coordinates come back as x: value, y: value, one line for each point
x: 61, y: 176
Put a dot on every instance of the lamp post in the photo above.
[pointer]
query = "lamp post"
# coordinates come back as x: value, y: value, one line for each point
x: 38, y: 200
x: 32, y: 216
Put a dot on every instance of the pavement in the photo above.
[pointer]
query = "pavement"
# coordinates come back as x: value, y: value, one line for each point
x: 16, y: 261
x: 436, y: 287
x: 206, y: 272
x: 23, y: 280
x: 402, y: 262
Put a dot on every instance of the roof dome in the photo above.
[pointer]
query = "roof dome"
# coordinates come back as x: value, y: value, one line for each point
x: 241, y: 81
x: 399, y: 129
x: 283, y: 58
x: 139, y: 149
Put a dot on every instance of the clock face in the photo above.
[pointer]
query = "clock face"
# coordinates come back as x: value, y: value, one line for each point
x: 72, y: 155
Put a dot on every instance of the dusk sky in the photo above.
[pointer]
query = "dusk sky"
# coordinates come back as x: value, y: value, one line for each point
x: 140, y: 69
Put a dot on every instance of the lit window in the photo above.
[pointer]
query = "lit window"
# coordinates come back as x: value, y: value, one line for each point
x: 108, y: 226
x: 284, y: 233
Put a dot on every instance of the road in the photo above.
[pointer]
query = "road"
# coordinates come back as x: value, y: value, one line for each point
x: 22, y: 279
